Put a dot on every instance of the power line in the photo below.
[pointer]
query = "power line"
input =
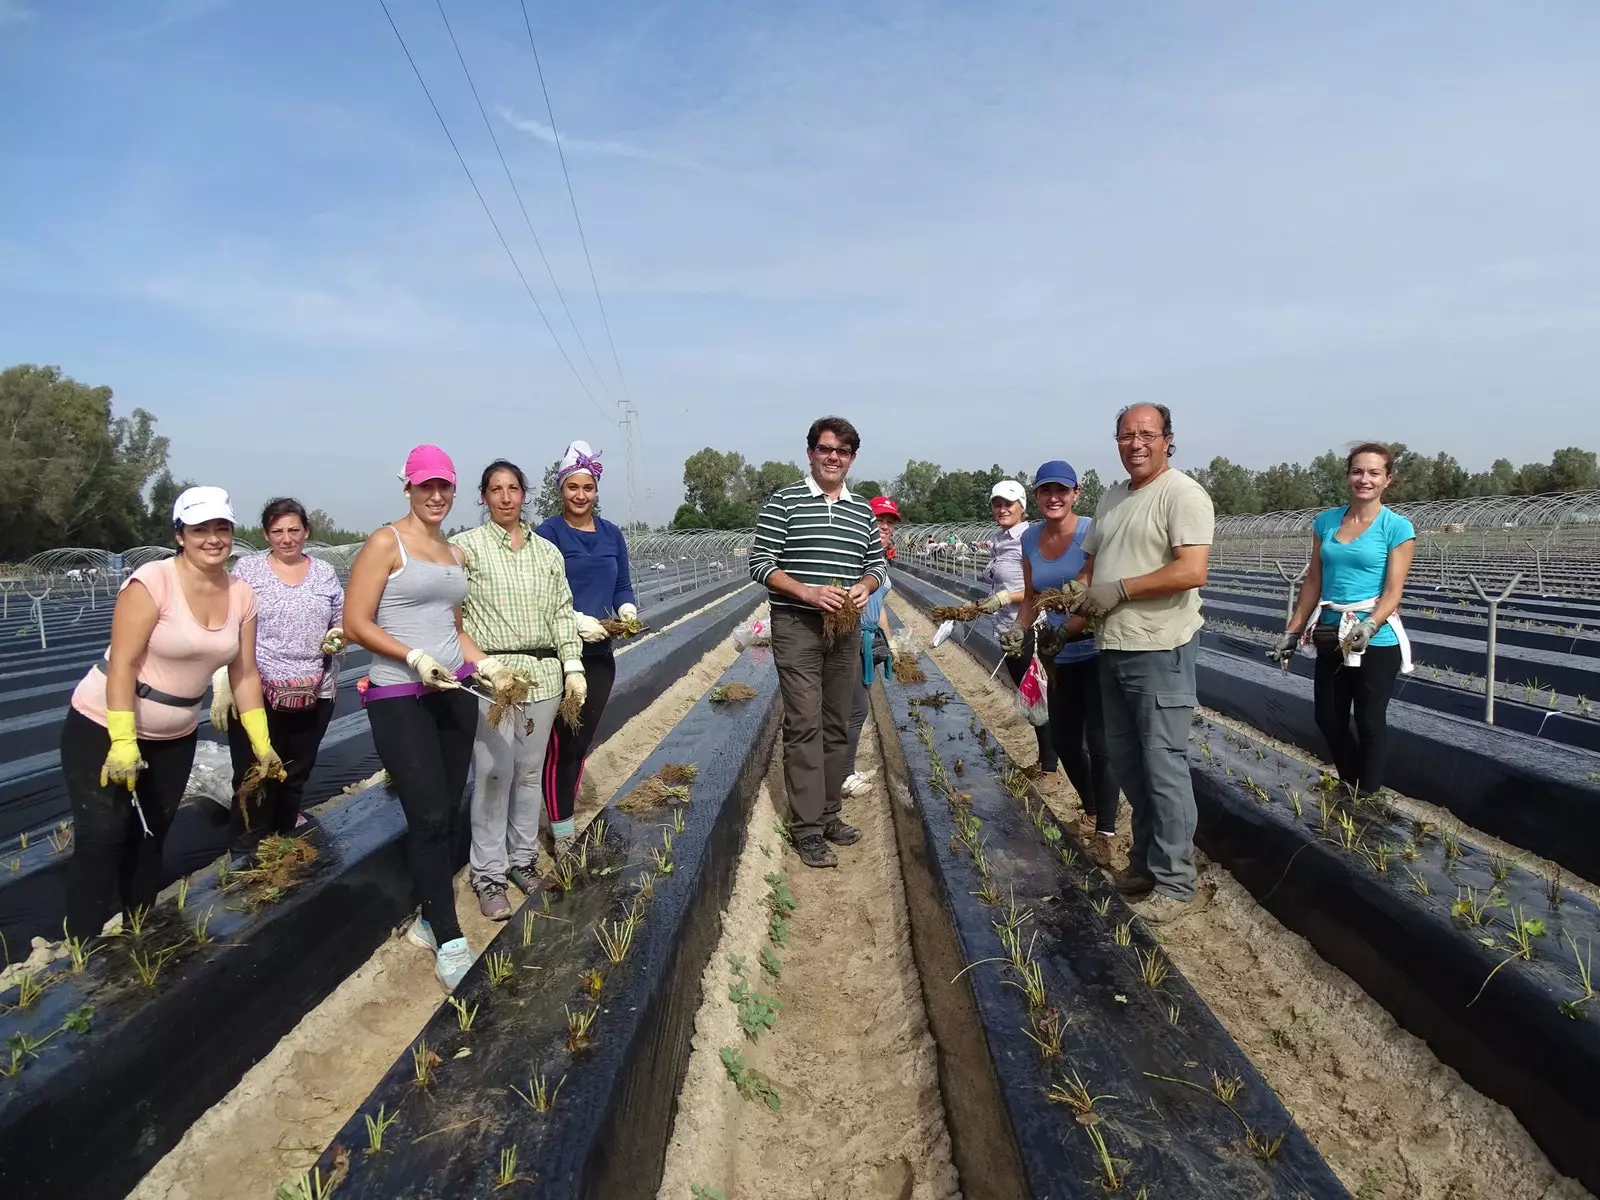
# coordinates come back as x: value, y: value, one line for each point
x: 505, y: 245
x: 515, y: 191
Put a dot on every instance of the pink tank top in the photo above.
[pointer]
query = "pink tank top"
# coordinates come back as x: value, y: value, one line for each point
x: 180, y: 658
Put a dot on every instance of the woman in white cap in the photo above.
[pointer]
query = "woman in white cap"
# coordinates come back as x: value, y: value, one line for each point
x: 298, y: 641
x: 127, y: 744
x: 403, y: 603
x: 597, y: 571
x: 1003, y: 573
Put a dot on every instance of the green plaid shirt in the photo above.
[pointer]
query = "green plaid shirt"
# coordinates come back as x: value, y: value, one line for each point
x: 519, y: 600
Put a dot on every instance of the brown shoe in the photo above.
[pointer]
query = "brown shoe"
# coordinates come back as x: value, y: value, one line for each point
x: 1132, y: 883
x: 1099, y: 849
x: 1160, y: 909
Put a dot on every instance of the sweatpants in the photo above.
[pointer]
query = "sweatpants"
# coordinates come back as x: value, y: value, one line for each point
x: 1361, y: 755
x: 425, y: 743
x: 297, y: 736
x: 114, y: 866
x: 508, y: 789
x: 563, y: 762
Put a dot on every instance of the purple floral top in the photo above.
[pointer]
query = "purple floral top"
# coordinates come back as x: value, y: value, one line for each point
x: 292, y: 621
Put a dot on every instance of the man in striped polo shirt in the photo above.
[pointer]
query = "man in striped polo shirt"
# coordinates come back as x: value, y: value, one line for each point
x: 815, y: 543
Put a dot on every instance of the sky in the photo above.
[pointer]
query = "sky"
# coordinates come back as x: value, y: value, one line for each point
x: 975, y: 230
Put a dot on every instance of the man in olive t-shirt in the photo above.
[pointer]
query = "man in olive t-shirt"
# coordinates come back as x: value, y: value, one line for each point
x: 1148, y: 553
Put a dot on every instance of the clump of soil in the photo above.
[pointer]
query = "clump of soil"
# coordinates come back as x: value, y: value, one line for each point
x: 669, y: 785
x: 842, y: 624
x: 726, y: 693
x: 956, y: 612
x: 906, y: 670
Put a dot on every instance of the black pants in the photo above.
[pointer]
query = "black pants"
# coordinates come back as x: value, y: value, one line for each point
x: 1077, y: 723
x: 1361, y: 756
x: 1017, y: 668
x: 425, y: 743
x: 114, y: 865
x: 569, y: 747
x: 296, y: 735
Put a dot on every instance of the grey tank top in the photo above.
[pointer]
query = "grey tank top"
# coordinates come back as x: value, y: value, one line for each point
x: 418, y: 609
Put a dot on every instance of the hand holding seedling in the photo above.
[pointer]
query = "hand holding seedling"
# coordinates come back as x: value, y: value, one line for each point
x: 589, y: 629
x: 860, y: 593
x: 826, y: 596
x: 1098, y: 599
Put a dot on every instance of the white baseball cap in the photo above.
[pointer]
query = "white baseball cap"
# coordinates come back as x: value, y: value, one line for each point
x: 1010, y: 491
x: 197, y: 505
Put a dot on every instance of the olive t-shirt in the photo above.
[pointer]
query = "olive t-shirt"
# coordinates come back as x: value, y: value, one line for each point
x: 1135, y: 532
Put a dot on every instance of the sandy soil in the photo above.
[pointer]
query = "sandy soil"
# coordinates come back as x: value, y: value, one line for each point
x: 276, y: 1121
x: 1391, y: 1119
x: 851, y: 1056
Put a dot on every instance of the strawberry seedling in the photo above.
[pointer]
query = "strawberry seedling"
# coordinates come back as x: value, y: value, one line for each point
x: 500, y: 967
x: 592, y: 982
x: 539, y: 1097
x: 615, y: 939
x: 507, y: 1175
x: 377, y: 1127
x: 578, y: 1026
x: 423, y: 1062
x: 464, y: 1015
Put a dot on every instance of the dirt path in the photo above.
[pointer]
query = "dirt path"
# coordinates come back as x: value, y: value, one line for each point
x: 278, y: 1118
x: 1391, y: 1119
x: 851, y: 1056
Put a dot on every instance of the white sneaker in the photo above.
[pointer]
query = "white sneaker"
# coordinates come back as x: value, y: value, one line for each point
x: 421, y: 934
x: 455, y: 957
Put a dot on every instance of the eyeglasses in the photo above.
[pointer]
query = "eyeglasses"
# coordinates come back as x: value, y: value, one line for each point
x: 825, y: 451
x: 1143, y: 436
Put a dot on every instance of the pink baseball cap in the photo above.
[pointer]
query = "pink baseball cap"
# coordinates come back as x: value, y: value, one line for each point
x: 428, y: 462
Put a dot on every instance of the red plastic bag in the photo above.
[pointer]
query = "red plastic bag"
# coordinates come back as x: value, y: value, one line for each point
x: 1031, y: 702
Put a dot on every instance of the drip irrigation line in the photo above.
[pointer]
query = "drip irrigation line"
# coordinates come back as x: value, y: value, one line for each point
x: 477, y: 191
x: 555, y: 135
x: 517, y: 192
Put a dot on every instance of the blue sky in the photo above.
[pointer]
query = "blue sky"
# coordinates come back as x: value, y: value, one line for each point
x: 975, y: 230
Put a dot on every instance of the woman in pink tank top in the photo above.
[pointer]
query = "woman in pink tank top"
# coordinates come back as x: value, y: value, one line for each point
x: 128, y: 741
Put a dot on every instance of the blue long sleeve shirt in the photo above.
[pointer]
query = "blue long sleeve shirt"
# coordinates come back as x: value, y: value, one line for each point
x: 597, y: 565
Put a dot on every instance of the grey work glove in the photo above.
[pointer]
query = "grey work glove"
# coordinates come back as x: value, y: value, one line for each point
x: 1098, y: 599
x: 1358, y: 638
x: 1011, y: 642
x: 1283, y: 649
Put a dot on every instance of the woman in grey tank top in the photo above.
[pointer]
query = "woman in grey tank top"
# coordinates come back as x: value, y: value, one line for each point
x: 403, y: 603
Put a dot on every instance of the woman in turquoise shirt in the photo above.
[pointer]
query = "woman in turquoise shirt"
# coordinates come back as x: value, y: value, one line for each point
x: 1348, y: 608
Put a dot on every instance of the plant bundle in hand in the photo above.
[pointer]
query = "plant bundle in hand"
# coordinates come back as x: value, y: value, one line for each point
x: 622, y: 627
x: 1059, y: 600
x: 514, y: 692
x: 571, y: 710
x: 842, y: 624
x: 956, y: 612
x: 253, y: 785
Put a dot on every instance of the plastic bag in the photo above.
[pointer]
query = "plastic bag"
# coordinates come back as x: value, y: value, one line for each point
x: 942, y: 634
x: 906, y: 644
x: 1031, y: 701
x: 212, y: 773
x: 752, y: 633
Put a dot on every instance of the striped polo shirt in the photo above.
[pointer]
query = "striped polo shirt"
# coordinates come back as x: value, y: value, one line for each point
x: 816, y: 541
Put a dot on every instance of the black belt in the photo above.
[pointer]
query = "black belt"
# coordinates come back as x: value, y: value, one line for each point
x: 541, y: 652
x: 145, y: 692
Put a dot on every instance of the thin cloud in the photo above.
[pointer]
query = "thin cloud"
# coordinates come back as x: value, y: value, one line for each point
x: 13, y: 13
x: 574, y: 145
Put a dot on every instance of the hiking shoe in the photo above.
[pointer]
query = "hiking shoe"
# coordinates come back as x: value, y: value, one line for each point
x: 1159, y: 908
x: 1099, y: 848
x: 421, y: 934
x: 563, y: 846
x: 856, y: 783
x: 525, y: 879
x: 1132, y: 883
x: 840, y: 834
x: 814, y: 852
x: 492, y: 902
x: 455, y: 957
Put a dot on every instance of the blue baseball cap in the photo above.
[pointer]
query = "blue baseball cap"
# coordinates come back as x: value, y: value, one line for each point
x: 1057, y: 470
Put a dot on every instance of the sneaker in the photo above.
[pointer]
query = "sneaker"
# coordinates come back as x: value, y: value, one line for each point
x: 814, y: 852
x: 1160, y: 908
x: 421, y: 934
x: 492, y: 902
x: 856, y: 783
x: 525, y: 879
x: 840, y: 834
x: 1132, y: 883
x: 455, y: 957
x: 564, y: 846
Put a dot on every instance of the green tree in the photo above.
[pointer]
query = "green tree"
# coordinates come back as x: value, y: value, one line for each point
x: 1232, y: 487
x: 1090, y: 492
x: 547, y: 501
x: 689, y: 517
x: 1574, y: 470
x: 913, y: 489
x: 1286, y: 487
x: 1328, y: 473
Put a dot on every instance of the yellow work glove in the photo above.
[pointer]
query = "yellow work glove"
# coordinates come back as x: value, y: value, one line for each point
x: 221, y: 700
x: 254, y: 724
x: 122, y: 760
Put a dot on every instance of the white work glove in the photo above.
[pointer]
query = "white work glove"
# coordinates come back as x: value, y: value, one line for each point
x: 589, y: 629
x: 434, y: 673
x: 496, y: 672
x: 629, y: 612
x: 576, y: 688
x: 221, y: 700
x: 333, y: 642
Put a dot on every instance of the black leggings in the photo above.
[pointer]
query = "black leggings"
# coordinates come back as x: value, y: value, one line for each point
x: 1077, y: 722
x: 425, y: 743
x: 569, y: 747
x: 1360, y: 756
x: 296, y: 735
x: 113, y: 863
x: 1017, y: 668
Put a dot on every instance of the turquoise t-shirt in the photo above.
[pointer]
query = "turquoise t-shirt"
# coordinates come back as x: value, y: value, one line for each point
x: 1356, y: 571
x: 1056, y: 573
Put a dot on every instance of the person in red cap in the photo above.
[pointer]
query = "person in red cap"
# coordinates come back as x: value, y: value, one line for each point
x: 403, y: 603
x: 874, y: 645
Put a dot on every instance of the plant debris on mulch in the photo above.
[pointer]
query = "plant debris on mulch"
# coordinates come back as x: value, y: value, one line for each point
x: 725, y: 693
x: 670, y: 785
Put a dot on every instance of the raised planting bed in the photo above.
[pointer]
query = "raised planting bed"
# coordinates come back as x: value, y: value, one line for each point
x: 1484, y: 960
x: 155, y: 1057
x: 32, y: 880
x: 1541, y: 796
x: 1074, y: 1057
x: 554, y: 1068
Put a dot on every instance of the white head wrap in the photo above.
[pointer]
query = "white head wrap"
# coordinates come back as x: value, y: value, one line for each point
x: 580, y: 458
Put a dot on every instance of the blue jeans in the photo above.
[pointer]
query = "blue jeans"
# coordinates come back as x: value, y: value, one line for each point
x: 1149, y: 703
